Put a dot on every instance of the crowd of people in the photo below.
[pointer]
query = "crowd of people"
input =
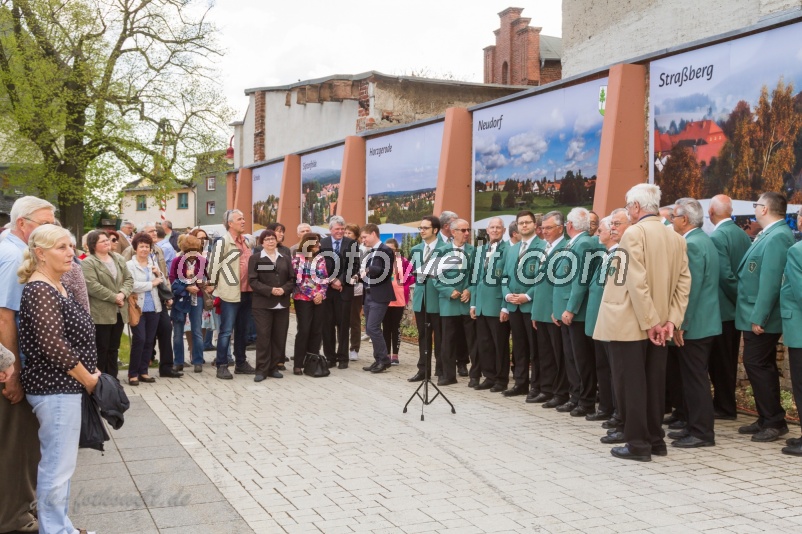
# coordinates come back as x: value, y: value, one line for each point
x: 629, y: 320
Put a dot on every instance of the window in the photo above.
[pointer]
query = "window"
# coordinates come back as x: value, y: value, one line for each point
x: 141, y: 203
x: 183, y: 201
x: 210, y: 207
x: 210, y: 183
x: 504, y: 71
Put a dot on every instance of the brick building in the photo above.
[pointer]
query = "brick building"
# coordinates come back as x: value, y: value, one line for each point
x: 521, y: 55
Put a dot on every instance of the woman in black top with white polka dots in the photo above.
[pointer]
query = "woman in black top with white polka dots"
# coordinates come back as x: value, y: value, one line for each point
x: 57, y: 336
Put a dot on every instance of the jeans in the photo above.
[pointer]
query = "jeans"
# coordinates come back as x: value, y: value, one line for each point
x: 234, y: 316
x: 59, y: 431
x: 179, y: 319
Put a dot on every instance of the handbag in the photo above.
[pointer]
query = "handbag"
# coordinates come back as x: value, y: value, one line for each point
x: 208, y: 300
x: 134, y: 311
x: 316, y: 365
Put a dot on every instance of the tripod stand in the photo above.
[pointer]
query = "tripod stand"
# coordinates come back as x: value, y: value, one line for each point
x: 427, y: 379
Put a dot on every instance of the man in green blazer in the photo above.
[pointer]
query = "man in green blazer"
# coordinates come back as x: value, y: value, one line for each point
x: 702, y: 322
x: 791, y: 312
x: 758, y: 316
x: 453, y: 285
x: 424, y: 258
x: 492, y: 335
x: 520, y: 268
x: 570, y: 300
x: 732, y: 243
x: 553, y: 379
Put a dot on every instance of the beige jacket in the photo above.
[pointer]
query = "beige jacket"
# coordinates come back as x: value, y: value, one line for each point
x: 223, y: 269
x: 649, y: 286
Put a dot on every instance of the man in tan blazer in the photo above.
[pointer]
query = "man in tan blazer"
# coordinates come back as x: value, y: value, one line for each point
x: 640, y: 308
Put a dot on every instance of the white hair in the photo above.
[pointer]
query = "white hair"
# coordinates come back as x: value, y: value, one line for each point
x: 646, y: 195
x: 616, y: 211
x: 692, y: 209
x: 556, y: 215
x: 579, y: 218
x: 27, y: 206
x: 232, y: 213
x: 446, y: 217
x: 455, y: 222
x: 606, y: 222
x: 300, y: 226
x: 336, y: 220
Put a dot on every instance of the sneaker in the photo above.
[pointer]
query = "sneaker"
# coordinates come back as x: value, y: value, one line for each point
x: 224, y: 374
x: 244, y: 369
x: 353, y: 355
x: 198, y: 368
x: 394, y: 360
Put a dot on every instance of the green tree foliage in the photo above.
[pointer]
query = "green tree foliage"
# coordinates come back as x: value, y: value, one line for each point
x: 681, y: 177
x: 92, y: 91
x: 495, y: 202
x: 509, y: 200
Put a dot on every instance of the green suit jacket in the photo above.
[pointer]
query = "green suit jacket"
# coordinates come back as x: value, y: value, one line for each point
x: 573, y: 270
x: 542, y: 292
x: 759, y: 280
x: 732, y: 243
x: 702, y: 317
x: 596, y: 291
x: 424, y: 283
x: 486, y: 294
x: 519, y: 276
x: 791, y: 298
x: 457, y: 278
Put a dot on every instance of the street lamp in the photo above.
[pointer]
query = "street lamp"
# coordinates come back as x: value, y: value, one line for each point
x: 230, y: 152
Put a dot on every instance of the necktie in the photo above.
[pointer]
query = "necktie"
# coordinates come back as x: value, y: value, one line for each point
x: 488, y: 255
x: 524, y: 246
x: 337, y: 247
x: 428, y: 254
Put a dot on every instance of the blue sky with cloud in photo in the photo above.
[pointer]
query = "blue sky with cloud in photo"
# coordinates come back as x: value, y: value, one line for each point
x: 542, y: 135
x: 411, y: 165
x: 267, y: 181
x: 328, y: 162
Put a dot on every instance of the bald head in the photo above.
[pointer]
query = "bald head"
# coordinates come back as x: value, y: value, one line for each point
x: 720, y: 208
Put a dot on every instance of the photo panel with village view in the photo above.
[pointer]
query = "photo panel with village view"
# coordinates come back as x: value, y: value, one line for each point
x: 401, y: 173
x: 539, y: 153
x: 266, y: 191
x: 727, y: 118
x: 320, y: 185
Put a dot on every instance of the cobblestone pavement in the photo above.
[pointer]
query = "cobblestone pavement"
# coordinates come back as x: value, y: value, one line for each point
x: 337, y: 454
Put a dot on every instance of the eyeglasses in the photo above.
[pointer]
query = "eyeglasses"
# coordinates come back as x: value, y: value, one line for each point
x: 423, y: 228
x: 756, y: 204
x: 463, y: 230
x: 616, y: 224
x: 525, y: 222
x: 673, y: 216
x: 550, y: 228
x: 37, y: 223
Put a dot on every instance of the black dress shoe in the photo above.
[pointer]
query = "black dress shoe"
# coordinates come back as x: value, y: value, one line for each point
x: 473, y: 382
x: 580, y: 411
x: 624, y: 454
x: 659, y: 451
x: 514, y: 391
x: 170, y: 373
x: 764, y: 436
x: 754, y: 428
x: 539, y: 398
x: 597, y: 416
x: 370, y: 367
x: 615, y: 437
x: 380, y: 368
x: 667, y: 420
x: 244, y: 369
x: 553, y: 403
x: 486, y: 384
x: 566, y: 407
x: 462, y: 369
x: 446, y: 381
x: 612, y: 423
x: 679, y: 434
x: 678, y: 425
x: 342, y: 365
x: 147, y: 379
x: 724, y: 416
x: 498, y: 388
x: 793, y: 442
x: 258, y: 378
x: 417, y: 377
x: 178, y: 367
x: 691, y: 442
x: 332, y: 364
x: 793, y: 450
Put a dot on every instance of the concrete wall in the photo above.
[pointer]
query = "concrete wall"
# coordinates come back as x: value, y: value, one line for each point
x: 597, y: 33
x: 243, y: 138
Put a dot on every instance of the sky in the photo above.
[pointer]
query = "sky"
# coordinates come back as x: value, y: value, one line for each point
x: 543, y: 135
x: 276, y: 43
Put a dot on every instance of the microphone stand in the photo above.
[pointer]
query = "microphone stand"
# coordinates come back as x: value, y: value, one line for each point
x: 427, y: 373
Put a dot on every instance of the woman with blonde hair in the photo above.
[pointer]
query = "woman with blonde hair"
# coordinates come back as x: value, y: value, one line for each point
x: 57, y: 336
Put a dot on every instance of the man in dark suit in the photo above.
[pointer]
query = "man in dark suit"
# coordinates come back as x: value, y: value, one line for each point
x: 342, y: 257
x: 492, y: 335
x: 732, y: 243
x: 702, y: 323
x: 376, y: 276
x: 638, y: 316
x: 757, y: 314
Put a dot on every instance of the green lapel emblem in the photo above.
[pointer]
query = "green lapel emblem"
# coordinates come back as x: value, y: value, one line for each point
x: 611, y: 270
x: 531, y: 268
x: 752, y: 266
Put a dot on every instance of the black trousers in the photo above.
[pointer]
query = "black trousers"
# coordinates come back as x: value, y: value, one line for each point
x: 453, y: 330
x: 107, y: 338
x: 760, y: 362
x: 309, y: 317
x: 639, y: 369
x: 693, y: 358
x: 467, y: 347
x: 164, y: 337
x: 585, y: 361
x: 723, y: 368
x: 523, y: 346
x: 795, y: 363
x: 391, y: 328
x: 434, y: 333
x: 336, y: 326
x: 493, y: 348
x: 604, y: 376
x: 553, y: 380
x: 571, y: 371
x: 675, y: 398
x: 271, y: 338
